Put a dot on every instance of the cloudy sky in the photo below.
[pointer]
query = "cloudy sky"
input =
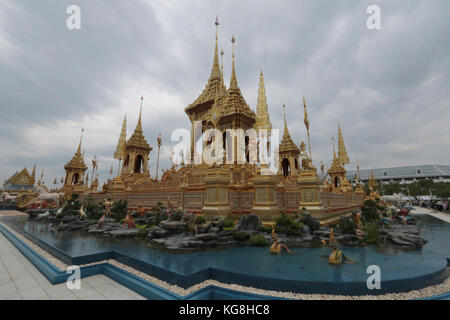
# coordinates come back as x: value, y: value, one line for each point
x: 389, y: 89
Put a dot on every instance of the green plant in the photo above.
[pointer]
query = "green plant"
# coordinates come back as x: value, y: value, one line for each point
x: 142, y: 233
x: 371, y: 232
x: 141, y: 226
x: 228, y: 222
x: 228, y: 229
x: 241, y: 236
x: 119, y: 209
x: 309, y: 221
x: 264, y: 228
x: 199, y: 219
x: 346, y: 225
x: 284, y: 220
x: 258, y: 240
x: 369, y: 210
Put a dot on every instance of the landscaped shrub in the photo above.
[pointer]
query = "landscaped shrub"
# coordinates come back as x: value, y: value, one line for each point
x: 119, y: 209
x: 309, y: 221
x: 228, y: 222
x: 371, y: 232
x: 286, y: 224
x: 142, y: 233
x: 346, y: 225
x: 72, y: 204
x: 369, y: 210
x: 241, y: 235
x: 177, y: 215
x: 199, y: 219
x: 258, y: 240
x: 284, y: 220
x: 264, y: 228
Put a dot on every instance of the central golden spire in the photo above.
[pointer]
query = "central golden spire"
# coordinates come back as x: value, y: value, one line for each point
x: 79, y: 145
x: 342, y: 152
x: 286, y: 130
x: 233, y: 80
x: 215, y: 72
x: 262, y: 112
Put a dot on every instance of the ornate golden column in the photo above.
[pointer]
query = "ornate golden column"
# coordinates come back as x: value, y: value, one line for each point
x: 265, y: 205
x: 217, y: 200
x: 308, y: 182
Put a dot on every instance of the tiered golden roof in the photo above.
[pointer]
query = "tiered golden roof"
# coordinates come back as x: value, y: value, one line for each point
x: 77, y: 162
x: 336, y: 165
x: 215, y: 84
x: 287, y: 144
x: 235, y: 102
x: 137, y: 139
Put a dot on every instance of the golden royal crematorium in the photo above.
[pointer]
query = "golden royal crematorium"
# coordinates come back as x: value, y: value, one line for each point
x: 235, y: 187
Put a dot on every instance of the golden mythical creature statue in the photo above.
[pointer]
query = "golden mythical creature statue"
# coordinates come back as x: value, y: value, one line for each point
x: 276, y: 246
x: 306, y: 160
x: 336, y: 255
x: 108, y: 204
x: 128, y: 221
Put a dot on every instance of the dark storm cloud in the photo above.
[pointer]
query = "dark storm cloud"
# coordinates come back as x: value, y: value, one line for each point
x: 387, y: 88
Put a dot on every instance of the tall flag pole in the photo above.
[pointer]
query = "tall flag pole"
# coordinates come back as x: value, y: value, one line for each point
x: 159, y: 141
x: 306, y: 120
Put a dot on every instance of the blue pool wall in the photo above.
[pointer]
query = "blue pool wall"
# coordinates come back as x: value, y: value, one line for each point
x: 402, y: 284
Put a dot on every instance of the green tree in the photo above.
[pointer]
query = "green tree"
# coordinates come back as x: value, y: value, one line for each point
x: 391, y: 188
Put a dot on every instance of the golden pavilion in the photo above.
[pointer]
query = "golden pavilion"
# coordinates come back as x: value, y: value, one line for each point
x: 233, y: 187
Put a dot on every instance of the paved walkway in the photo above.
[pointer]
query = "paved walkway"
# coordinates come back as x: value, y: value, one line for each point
x: 443, y: 216
x: 19, y: 280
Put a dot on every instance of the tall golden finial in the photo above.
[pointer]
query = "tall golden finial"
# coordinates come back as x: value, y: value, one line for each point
x: 357, y: 168
x: 81, y: 139
x: 120, y: 152
x: 262, y: 112
x: 233, y: 81
x: 306, y: 120
x: 286, y: 130
x: 33, y: 174
x: 215, y: 72
x: 342, y: 152
x: 221, y: 65
x: 159, y: 141
x: 334, y: 150
x: 139, y: 124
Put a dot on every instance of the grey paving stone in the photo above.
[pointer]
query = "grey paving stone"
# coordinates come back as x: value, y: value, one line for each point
x: 34, y: 294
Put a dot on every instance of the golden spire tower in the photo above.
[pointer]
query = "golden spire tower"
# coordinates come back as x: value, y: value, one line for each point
x: 76, y: 167
x: 137, y: 150
x: 342, y: 152
x: 262, y: 113
x: 33, y: 174
x: 221, y: 67
x: 288, y: 152
x: 120, y: 152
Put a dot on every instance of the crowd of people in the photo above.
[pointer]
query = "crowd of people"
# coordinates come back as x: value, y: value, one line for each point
x: 437, y: 205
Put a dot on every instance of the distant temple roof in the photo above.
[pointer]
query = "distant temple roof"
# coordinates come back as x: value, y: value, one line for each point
x: 16, y: 187
x: 424, y: 171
